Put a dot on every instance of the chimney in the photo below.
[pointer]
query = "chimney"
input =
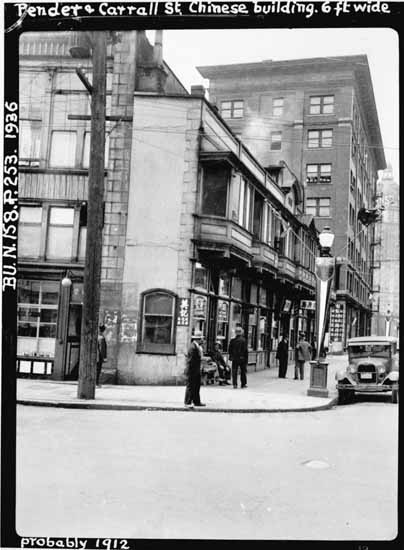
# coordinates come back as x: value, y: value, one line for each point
x: 158, y: 48
x: 198, y: 90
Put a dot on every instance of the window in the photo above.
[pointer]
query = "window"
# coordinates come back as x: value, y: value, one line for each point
x: 37, y: 317
x: 245, y: 204
x: 60, y: 233
x: 200, y: 276
x: 277, y: 106
x: 321, y: 105
x: 158, y: 309
x: 214, y: 192
x: 29, y: 231
x: 276, y: 141
x: 86, y: 150
x: 319, y: 207
x: 318, y: 173
x: 258, y: 215
x: 319, y: 138
x: 63, y: 149
x: 29, y: 142
x: 232, y: 109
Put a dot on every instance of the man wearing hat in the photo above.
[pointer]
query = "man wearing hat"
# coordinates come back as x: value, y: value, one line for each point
x: 101, y: 352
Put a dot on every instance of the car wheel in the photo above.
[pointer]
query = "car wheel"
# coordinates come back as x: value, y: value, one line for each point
x: 394, y: 396
x: 344, y: 397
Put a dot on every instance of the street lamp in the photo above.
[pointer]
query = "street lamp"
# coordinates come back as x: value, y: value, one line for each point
x: 325, y: 269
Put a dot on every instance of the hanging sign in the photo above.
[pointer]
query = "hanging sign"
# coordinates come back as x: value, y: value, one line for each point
x: 183, y: 312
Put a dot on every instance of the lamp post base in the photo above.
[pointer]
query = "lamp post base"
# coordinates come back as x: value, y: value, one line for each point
x: 318, y: 379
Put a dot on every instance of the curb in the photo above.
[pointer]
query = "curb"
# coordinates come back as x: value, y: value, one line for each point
x: 107, y: 407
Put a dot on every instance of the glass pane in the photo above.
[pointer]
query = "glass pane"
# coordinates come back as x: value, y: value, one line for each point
x: 311, y: 202
x: 29, y: 239
x: 82, y: 242
x: 201, y: 276
x: 325, y: 169
x: 47, y: 331
x: 28, y: 314
x: 50, y: 292
x: 61, y: 216
x: 314, y: 100
x: 327, y: 109
x: 312, y: 169
x: 30, y: 214
x: 324, y: 202
x: 236, y: 288
x: 63, y: 149
x: 157, y: 330
x: 226, y: 113
x: 48, y: 315
x: 214, y: 197
x: 238, y: 113
x: 238, y: 105
x: 324, y: 211
x: 224, y: 285
x: 60, y: 240
x: 311, y: 210
x: 159, y: 304
x: 315, y: 109
x: 226, y: 104
x: 278, y: 102
x: 328, y: 99
x: 28, y: 292
x: 27, y: 329
x: 254, y: 294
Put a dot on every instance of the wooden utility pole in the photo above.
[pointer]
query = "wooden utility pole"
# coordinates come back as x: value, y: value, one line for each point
x: 92, y: 268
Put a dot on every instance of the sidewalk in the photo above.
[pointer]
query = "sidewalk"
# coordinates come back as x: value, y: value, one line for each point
x: 265, y: 393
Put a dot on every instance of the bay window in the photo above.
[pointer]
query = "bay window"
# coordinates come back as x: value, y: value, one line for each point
x: 215, y: 190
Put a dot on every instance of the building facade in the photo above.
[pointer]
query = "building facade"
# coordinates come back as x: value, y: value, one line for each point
x: 197, y: 235
x: 386, y: 287
x: 318, y: 116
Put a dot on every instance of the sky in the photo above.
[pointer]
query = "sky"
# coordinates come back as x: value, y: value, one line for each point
x: 186, y: 49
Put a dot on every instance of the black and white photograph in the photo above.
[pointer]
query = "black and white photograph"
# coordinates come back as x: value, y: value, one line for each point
x: 203, y: 249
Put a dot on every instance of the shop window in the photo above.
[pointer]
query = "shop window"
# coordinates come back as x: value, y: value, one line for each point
x: 254, y: 294
x: 252, y: 329
x: 222, y: 327
x: 200, y: 276
x: 236, y: 317
x: 157, y: 335
x: 214, y: 191
x: 232, y: 109
x: 63, y: 149
x: 245, y: 204
x: 262, y: 331
x: 29, y: 231
x: 236, y: 288
x: 199, y: 314
x: 224, y: 284
x: 37, y: 317
x: 321, y: 105
x: 60, y: 233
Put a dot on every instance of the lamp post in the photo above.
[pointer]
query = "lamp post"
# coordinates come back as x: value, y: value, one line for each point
x: 324, y: 271
x: 388, y: 321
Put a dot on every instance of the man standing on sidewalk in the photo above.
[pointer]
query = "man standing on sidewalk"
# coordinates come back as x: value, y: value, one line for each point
x: 238, y: 355
x: 101, y: 352
x: 282, y: 354
x: 193, y: 374
x: 303, y: 354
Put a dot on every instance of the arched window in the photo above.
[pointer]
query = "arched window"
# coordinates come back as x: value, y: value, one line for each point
x: 158, y: 322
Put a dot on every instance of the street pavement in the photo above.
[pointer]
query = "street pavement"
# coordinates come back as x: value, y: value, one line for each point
x: 326, y: 475
x: 265, y: 392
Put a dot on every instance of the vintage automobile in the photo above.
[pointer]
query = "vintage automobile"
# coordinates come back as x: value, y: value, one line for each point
x: 373, y: 367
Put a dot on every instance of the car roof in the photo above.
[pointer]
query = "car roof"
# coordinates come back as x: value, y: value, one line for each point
x: 372, y: 340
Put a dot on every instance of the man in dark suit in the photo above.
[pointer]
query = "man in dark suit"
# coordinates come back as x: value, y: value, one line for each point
x: 193, y: 373
x: 101, y: 352
x: 282, y: 354
x: 238, y: 355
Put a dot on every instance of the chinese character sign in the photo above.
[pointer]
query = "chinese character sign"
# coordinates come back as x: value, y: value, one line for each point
x: 183, y: 312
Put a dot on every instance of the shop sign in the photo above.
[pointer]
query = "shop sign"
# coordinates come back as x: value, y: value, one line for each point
x: 308, y: 304
x: 223, y: 312
x: 200, y: 307
x: 286, y: 306
x: 183, y: 312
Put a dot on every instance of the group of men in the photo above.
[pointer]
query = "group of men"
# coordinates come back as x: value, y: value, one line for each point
x: 238, y: 355
x: 303, y: 352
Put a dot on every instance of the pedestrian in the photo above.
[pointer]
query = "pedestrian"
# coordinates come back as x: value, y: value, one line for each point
x: 101, y: 352
x: 221, y: 364
x: 238, y: 355
x: 303, y: 354
x: 313, y: 348
x: 193, y: 374
x: 282, y: 354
